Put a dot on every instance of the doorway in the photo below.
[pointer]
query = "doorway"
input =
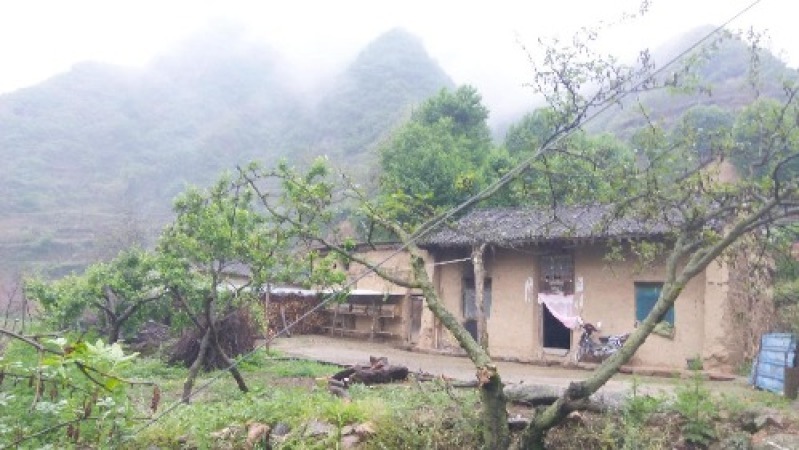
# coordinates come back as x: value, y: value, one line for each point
x: 557, y: 279
x: 556, y: 335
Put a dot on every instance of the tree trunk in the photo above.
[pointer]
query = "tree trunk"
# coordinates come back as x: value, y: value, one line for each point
x: 267, y: 300
x: 496, y: 434
x: 114, y: 330
x: 228, y: 362
x: 195, y: 366
x: 479, y: 295
x: 494, y: 413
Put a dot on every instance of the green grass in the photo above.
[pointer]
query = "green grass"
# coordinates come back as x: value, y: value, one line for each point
x: 423, y: 415
x: 403, y: 415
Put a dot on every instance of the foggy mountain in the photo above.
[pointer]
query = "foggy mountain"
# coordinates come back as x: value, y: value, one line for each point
x: 722, y: 73
x: 93, y: 157
x: 91, y: 153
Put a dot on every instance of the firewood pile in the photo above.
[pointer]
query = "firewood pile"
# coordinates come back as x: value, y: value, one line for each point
x: 150, y: 337
x: 377, y: 372
x: 285, y: 310
x: 236, y: 332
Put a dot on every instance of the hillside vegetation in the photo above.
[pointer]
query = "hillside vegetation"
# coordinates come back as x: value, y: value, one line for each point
x: 92, y: 158
x: 100, y: 150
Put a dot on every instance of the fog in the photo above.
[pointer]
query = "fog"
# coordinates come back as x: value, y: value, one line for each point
x: 478, y: 43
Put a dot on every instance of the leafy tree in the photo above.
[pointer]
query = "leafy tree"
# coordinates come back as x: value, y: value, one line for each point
x: 758, y: 150
x: 571, y: 172
x: 706, y: 128
x: 121, y: 293
x: 439, y: 157
x: 217, y: 232
x: 529, y: 134
x: 75, y: 394
x: 785, y: 251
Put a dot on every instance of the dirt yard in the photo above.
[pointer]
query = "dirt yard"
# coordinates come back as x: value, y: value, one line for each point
x: 348, y: 351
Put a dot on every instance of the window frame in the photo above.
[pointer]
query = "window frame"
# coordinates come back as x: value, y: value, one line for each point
x: 469, y: 286
x: 638, y: 286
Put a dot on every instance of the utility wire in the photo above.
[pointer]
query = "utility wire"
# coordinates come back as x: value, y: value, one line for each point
x: 453, y: 211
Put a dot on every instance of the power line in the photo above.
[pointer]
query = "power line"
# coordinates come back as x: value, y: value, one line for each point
x: 427, y: 228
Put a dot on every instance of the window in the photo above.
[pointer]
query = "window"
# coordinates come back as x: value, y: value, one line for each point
x: 469, y: 300
x: 646, y: 295
x: 557, y: 274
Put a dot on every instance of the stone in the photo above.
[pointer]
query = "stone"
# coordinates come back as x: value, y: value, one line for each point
x: 735, y: 441
x: 227, y: 433
x: 768, y: 420
x: 281, y: 429
x: 256, y: 433
x: 365, y: 429
x: 350, y: 441
x: 777, y: 442
x: 317, y: 428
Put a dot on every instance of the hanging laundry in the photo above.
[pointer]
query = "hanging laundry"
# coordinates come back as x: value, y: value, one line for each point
x: 563, y: 307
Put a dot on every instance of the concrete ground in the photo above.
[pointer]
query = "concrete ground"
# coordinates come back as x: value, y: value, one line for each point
x: 350, y: 351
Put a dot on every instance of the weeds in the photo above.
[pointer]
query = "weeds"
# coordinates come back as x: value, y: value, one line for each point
x: 696, y: 406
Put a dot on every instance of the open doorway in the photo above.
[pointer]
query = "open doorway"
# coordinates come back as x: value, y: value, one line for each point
x: 417, y: 306
x: 556, y: 335
x: 557, y: 282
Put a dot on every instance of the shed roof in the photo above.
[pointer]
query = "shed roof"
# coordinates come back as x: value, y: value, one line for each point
x: 515, y: 226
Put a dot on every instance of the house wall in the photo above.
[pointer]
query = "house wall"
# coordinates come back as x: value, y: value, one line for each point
x: 448, y: 279
x: 743, y: 308
x: 395, y: 263
x: 609, y: 297
x: 514, y: 326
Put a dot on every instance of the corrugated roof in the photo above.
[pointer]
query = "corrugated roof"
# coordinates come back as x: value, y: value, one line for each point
x: 514, y: 226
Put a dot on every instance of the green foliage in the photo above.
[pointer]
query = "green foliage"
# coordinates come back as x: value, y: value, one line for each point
x: 635, y: 414
x: 705, y: 129
x: 720, y: 74
x: 120, y: 294
x: 574, y: 172
x: 300, y: 369
x: 404, y: 416
x: 531, y: 132
x: 697, y: 408
x: 765, y: 134
x: 71, y: 395
x: 438, y: 159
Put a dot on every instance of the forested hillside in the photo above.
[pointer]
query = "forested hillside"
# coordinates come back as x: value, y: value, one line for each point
x: 95, y: 155
x: 720, y: 70
x: 92, y: 158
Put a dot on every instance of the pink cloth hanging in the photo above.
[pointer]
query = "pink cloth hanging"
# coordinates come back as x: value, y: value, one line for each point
x: 562, y: 307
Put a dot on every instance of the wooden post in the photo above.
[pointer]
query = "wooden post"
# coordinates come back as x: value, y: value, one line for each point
x: 375, y: 318
x: 335, y: 319
x: 479, y: 297
x: 267, y: 299
x: 407, y: 316
x: 285, y: 324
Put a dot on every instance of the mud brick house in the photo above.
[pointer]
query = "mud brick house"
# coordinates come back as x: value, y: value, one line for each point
x: 544, y: 269
x: 376, y: 308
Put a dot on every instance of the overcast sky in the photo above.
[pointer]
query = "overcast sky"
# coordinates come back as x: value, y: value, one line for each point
x: 476, y: 42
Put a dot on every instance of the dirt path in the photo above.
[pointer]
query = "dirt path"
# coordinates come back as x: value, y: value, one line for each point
x: 348, y: 351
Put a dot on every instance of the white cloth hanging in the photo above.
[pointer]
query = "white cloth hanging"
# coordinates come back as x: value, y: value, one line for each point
x: 563, y: 307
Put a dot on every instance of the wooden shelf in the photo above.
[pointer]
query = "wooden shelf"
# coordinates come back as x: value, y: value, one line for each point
x: 352, y: 332
x: 343, y: 319
x: 384, y: 311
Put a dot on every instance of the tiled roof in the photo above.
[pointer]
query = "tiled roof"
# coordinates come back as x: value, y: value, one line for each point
x: 514, y: 226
